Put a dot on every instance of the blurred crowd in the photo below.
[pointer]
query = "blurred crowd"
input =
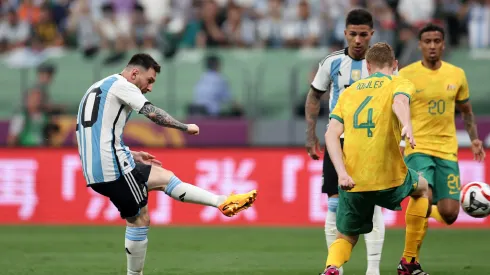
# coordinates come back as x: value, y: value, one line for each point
x: 167, y: 25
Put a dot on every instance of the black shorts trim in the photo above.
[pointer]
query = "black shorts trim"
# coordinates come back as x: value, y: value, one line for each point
x: 129, y: 193
x: 330, y: 179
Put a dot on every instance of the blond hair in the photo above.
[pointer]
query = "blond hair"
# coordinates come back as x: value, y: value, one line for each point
x: 380, y: 55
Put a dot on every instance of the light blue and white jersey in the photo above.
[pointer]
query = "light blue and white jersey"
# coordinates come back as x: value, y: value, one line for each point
x: 336, y: 72
x: 103, y: 112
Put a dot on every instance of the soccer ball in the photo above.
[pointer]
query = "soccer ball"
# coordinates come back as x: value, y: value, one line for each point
x: 475, y: 199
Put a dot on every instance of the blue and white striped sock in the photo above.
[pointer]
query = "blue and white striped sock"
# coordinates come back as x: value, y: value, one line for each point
x: 136, y: 242
x: 190, y: 193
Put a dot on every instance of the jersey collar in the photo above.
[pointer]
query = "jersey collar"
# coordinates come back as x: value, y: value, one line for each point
x: 378, y: 74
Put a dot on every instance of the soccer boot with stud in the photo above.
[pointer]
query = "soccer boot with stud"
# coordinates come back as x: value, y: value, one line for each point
x: 331, y: 270
x: 410, y: 268
x: 236, y: 203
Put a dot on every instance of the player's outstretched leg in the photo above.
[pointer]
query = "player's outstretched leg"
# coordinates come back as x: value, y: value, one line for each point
x: 164, y: 180
x: 330, y: 223
x: 339, y: 253
x: 417, y: 212
x: 374, y: 242
x: 136, y: 241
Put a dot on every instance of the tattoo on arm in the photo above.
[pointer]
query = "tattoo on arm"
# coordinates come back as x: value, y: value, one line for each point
x: 161, y: 117
x: 312, y: 108
x: 470, y: 125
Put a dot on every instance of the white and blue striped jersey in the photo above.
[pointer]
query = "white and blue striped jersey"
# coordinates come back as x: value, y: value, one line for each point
x: 103, y: 112
x: 336, y: 72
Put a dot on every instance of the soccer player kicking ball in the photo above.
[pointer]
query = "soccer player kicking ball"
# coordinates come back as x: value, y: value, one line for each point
x: 374, y: 114
x: 440, y: 88
x: 125, y: 176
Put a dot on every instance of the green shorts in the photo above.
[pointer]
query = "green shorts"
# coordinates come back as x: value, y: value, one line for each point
x: 442, y: 175
x: 356, y: 209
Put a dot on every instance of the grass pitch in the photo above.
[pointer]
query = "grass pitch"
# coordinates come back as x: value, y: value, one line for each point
x: 229, y: 250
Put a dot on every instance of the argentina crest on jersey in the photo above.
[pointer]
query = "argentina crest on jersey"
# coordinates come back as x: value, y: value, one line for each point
x: 345, y: 71
x: 355, y: 75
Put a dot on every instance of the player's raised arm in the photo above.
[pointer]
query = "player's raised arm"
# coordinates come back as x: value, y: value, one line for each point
x: 464, y: 105
x: 163, y: 118
x: 312, y: 108
x: 131, y: 94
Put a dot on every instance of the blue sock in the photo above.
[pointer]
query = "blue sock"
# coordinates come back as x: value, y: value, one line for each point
x: 174, y: 182
x: 332, y: 204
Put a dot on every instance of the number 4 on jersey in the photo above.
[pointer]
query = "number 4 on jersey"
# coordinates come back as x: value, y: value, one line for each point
x: 365, y: 125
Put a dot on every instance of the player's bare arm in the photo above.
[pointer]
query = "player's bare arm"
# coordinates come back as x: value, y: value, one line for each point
x: 163, y: 118
x: 401, y: 108
x: 470, y: 126
x: 332, y: 140
x: 312, y: 109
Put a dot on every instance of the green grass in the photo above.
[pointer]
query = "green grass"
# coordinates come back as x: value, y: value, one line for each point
x: 231, y: 250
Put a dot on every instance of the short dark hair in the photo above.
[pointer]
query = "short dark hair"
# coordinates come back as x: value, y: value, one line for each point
x: 431, y: 28
x: 144, y: 60
x: 212, y: 62
x: 46, y: 68
x: 359, y: 17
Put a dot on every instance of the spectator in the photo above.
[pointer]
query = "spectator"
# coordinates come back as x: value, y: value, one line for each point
x: 114, y: 33
x: 45, y: 29
x: 479, y: 24
x: 60, y: 10
x: 33, y: 126
x: 239, y: 30
x: 143, y: 34
x: 45, y: 75
x: 212, y: 92
x: 82, y: 25
x: 451, y: 10
x: 384, y: 22
x: 304, y: 31
x: 211, y: 34
x: 14, y: 33
x: 29, y: 12
x: 271, y: 27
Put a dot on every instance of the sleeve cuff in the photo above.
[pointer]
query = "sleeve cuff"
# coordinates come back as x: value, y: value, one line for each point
x: 337, y: 118
x: 316, y: 89
x: 463, y: 101
x: 403, y: 93
x: 146, y: 103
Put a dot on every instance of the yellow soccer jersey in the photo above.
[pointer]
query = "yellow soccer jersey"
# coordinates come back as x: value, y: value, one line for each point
x: 372, y: 132
x: 433, y: 106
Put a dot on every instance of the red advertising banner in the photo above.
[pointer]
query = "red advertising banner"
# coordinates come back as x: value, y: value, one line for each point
x: 46, y: 186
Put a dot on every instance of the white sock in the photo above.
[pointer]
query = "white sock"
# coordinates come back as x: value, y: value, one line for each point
x: 190, y: 193
x: 331, y: 224
x: 374, y: 242
x: 330, y: 228
x: 135, y: 244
